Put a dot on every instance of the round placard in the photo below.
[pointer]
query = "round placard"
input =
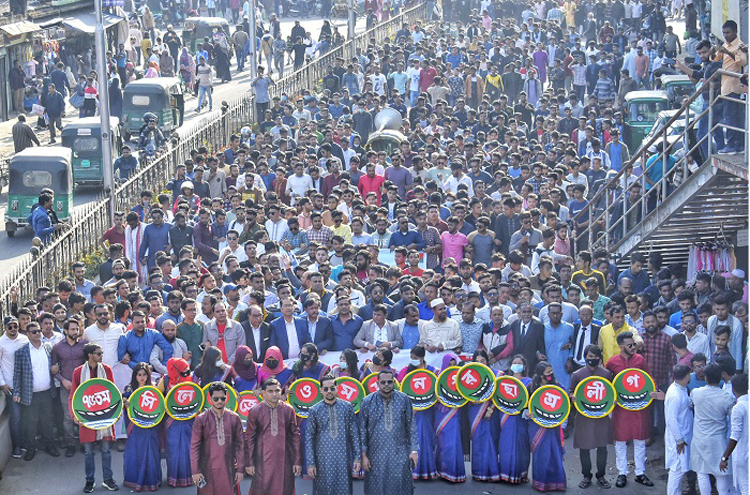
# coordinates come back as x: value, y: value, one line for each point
x: 549, y: 406
x: 246, y: 401
x: 231, y: 403
x: 370, y: 382
x: 184, y: 401
x: 633, y: 389
x: 97, y: 403
x: 303, y: 394
x: 476, y: 382
x: 421, y: 387
x: 447, y: 391
x: 595, y: 397
x: 351, y: 390
x: 146, y: 407
x: 511, y: 395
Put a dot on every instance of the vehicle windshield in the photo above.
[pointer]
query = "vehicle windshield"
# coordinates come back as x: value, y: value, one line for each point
x: 86, y: 144
x: 645, y: 111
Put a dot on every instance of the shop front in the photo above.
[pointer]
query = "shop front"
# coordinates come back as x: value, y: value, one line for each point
x: 17, y: 44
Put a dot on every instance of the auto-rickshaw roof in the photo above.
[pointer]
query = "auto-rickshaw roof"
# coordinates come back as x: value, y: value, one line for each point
x: 48, y: 155
x: 208, y: 21
x: 91, y: 123
x: 153, y: 84
x: 676, y: 78
x: 646, y: 95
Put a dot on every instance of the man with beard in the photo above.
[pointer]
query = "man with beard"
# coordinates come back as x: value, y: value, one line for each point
x: 179, y: 348
x: 174, y: 300
x: 389, y: 439
x: 136, y: 345
x: 441, y: 333
x: 660, y: 359
x: 630, y: 425
x: 408, y: 296
x: 217, y: 453
x: 68, y: 355
x: 679, y: 432
x: 332, y: 442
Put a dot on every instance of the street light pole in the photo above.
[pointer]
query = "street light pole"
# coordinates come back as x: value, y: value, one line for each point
x: 350, y: 31
x: 100, y: 45
x: 253, y: 43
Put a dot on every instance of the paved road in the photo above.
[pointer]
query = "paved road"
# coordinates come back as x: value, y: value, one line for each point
x: 11, y: 250
x: 64, y: 476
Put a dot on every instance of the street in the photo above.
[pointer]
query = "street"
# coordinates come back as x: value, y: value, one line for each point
x: 39, y: 476
x: 11, y: 250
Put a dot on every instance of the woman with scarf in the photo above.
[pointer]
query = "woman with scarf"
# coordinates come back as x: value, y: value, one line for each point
x: 546, y: 443
x: 426, y: 469
x: 449, y: 456
x: 153, y: 70
x: 115, y: 98
x: 222, y: 63
x: 177, y: 434
x: 187, y: 69
x: 348, y: 365
x: 514, y: 434
x: 244, y: 372
x: 166, y: 64
x: 274, y: 366
x: 142, y: 459
x: 211, y: 368
x: 485, y: 433
x: 380, y: 361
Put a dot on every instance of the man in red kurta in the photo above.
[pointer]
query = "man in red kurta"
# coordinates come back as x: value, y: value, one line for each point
x: 272, y: 440
x: 630, y: 425
x: 93, y: 368
x: 217, y: 451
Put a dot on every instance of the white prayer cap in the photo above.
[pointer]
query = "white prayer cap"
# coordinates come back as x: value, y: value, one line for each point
x: 738, y: 273
x: 437, y: 301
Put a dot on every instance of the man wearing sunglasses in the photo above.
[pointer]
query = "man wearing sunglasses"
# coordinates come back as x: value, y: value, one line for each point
x: 10, y: 342
x: 332, y: 446
x: 32, y: 388
x: 389, y: 439
x: 216, y: 446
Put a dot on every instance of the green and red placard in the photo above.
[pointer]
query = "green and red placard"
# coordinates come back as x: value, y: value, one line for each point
x: 595, y: 397
x: 146, y: 407
x: 447, y: 390
x: 245, y: 401
x: 421, y: 387
x: 370, y: 382
x: 633, y: 388
x: 231, y: 402
x: 351, y: 390
x: 184, y: 401
x: 476, y: 382
x: 549, y: 406
x: 97, y: 403
x: 303, y: 394
x: 511, y: 395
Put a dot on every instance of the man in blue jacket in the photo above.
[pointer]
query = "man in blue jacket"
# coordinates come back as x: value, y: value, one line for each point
x: 41, y: 221
x: 136, y: 345
x: 54, y: 109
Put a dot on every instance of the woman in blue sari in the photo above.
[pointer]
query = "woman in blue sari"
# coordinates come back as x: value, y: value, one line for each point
x: 308, y: 366
x: 142, y: 459
x: 177, y: 434
x: 485, y: 433
x: 514, y: 435
x: 426, y: 468
x: 548, y: 471
x: 449, y: 455
x: 244, y: 373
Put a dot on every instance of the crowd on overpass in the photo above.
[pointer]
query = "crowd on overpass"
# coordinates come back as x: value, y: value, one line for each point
x: 300, y: 249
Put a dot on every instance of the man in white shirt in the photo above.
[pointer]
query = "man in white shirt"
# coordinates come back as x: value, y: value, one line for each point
x: 379, y: 82
x: 413, y: 73
x: 275, y: 225
x: 441, y: 333
x: 696, y: 342
x: 298, y: 183
x: 457, y: 177
x: 721, y: 317
x: 10, y: 342
x: 105, y: 333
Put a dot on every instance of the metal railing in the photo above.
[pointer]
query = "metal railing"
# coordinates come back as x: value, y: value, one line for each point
x: 612, y: 214
x: 51, y: 263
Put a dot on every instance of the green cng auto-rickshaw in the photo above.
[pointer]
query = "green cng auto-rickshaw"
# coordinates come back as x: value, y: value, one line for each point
x: 32, y: 170
x: 641, y: 111
x: 84, y: 137
x: 678, y: 87
x: 197, y: 28
x: 161, y: 96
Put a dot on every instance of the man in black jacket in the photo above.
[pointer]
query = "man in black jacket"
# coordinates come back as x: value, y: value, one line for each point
x: 584, y: 333
x: 17, y: 81
x: 54, y: 109
x: 257, y: 332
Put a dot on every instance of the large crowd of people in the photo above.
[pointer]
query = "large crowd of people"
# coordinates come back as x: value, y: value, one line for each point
x: 298, y: 253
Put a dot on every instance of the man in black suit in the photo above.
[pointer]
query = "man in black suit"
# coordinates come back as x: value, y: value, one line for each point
x: 528, y: 336
x: 319, y: 327
x: 257, y: 333
x: 584, y: 333
x: 505, y: 225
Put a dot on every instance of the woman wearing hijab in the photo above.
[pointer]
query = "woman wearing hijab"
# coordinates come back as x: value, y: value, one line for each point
x: 177, y: 434
x: 485, y: 433
x: 166, y: 64
x: 426, y: 468
x: 142, y: 459
x: 153, y: 70
x: 274, y: 366
x: 115, y: 98
x: 187, y: 69
x: 211, y: 368
x: 244, y: 372
x: 222, y: 63
x: 449, y: 455
x: 546, y: 443
x: 514, y: 434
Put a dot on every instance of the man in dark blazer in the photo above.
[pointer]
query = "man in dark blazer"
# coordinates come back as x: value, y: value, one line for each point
x: 257, y: 332
x: 528, y: 337
x: 584, y: 333
x: 279, y: 334
x: 319, y: 328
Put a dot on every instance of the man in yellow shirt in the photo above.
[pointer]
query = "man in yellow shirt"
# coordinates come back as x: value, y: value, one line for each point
x: 608, y: 334
x: 734, y: 59
x: 494, y: 84
x: 583, y: 263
